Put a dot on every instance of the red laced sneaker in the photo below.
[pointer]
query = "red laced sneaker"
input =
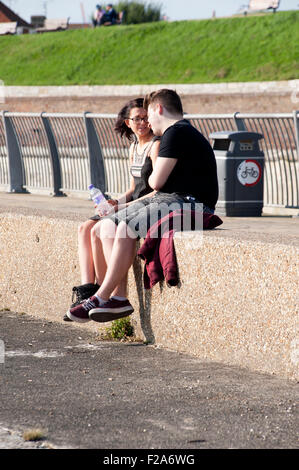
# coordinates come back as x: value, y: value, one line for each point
x: 111, y: 310
x: 79, y: 313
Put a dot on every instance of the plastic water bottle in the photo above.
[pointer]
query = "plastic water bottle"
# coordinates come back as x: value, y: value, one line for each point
x: 101, y: 203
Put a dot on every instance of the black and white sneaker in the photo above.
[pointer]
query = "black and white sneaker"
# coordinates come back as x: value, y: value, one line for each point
x: 81, y: 293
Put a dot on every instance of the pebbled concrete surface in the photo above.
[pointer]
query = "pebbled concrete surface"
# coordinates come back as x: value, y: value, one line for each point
x: 92, y: 394
x: 237, y: 301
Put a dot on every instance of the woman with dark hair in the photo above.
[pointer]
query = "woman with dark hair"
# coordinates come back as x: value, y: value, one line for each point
x: 131, y: 123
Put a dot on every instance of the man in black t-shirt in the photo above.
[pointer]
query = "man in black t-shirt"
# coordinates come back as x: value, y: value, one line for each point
x: 186, y: 162
x: 184, y: 175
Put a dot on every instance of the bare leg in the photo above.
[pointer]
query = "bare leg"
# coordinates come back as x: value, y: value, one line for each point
x: 121, y: 288
x: 121, y: 257
x: 85, y: 252
x: 99, y: 260
x: 107, y: 232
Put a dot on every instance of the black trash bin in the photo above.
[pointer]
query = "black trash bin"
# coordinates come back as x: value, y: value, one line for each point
x: 240, y: 168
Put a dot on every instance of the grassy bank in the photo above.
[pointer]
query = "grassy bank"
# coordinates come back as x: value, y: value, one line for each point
x: 255, y: 48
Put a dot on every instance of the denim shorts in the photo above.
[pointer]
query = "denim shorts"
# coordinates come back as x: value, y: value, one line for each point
x: 141, y: 215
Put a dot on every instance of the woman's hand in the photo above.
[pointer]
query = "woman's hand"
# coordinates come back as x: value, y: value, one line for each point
x: 116, y: 205
x: 113, y: 202
x: 113, y: 208
x: 119, y: 207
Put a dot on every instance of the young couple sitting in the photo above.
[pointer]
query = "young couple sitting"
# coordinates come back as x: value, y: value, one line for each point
x: 170, y: 162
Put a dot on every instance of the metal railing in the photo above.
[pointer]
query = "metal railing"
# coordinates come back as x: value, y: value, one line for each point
x: 63, y: 153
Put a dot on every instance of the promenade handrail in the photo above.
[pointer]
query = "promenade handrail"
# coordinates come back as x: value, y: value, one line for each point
x: 61, y: 153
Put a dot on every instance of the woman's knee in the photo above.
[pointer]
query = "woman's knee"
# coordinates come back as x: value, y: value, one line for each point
x: 125, y: 231
x: 85, y: 228
x: 96, y: 232
x: 108, y: 229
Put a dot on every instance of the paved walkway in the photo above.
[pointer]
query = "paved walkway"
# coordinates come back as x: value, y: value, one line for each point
x: 91, y: 394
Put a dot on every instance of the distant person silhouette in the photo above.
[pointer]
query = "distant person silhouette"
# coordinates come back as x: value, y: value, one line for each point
x: 98, y: 13
x: 109, y: 18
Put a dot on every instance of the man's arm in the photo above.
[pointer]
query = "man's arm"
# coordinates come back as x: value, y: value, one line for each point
x: 162, y: 169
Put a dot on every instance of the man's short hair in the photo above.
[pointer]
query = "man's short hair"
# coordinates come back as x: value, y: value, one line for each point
x: 167, y: 98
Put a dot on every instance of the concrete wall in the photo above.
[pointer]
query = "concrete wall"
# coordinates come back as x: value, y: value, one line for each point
x: 237, y: 302
x: 225, y: 98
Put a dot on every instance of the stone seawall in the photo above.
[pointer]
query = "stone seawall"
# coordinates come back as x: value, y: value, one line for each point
x: 223, y: 98
x: 237, y: 301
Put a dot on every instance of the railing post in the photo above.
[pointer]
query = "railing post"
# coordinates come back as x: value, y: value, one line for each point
x: 296, y: 125
x: 96, y: 162
x: 15, y: 163
x: 239, y: 122
x: 54, y: 156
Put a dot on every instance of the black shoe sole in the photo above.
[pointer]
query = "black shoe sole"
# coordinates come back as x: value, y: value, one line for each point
x: 102, y: 317
x: 66, y: 318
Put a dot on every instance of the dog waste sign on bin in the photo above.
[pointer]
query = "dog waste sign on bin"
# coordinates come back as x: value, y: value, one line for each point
x: 240, y: 167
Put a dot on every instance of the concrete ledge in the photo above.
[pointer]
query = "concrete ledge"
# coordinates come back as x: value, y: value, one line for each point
x: 237, y: 302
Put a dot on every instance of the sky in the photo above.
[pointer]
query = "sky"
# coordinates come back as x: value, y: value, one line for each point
x: 175, y: 10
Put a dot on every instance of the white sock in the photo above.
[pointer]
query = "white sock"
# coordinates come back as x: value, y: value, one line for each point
x: 117, y: 297
x: 102, y: 301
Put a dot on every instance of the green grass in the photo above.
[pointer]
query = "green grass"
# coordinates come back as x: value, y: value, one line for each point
x: 120, y: 329
x: 255, y: 48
